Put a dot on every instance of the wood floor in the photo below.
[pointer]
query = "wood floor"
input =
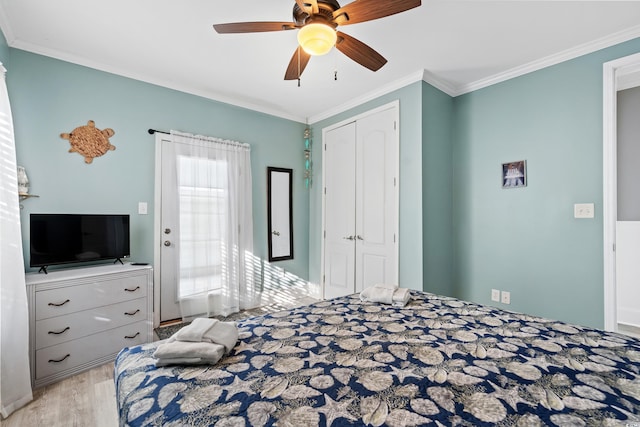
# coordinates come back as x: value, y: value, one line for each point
x: 84, y: 400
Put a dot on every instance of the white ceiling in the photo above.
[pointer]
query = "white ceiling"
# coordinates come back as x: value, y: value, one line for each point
x: 457, y: 46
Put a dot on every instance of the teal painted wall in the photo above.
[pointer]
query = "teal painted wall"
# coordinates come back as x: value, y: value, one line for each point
x: 437, y: 191
x: 526, y: 241
x: 411, y: 275
x: 50, y: 97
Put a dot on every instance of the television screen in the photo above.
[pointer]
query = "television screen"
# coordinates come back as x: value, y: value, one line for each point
x: 67, y: 238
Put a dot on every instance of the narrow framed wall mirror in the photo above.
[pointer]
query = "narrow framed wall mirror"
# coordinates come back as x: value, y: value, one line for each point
x: 280, y: 213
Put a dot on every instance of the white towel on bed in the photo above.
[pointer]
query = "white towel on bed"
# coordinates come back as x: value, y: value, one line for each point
x: 188, y: 353
x: 386, y: 294
x: 400, y: 297
x: 204, y: 341
x: 210, y: 331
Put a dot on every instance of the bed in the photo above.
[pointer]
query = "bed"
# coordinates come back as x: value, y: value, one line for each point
x: 437, y: 361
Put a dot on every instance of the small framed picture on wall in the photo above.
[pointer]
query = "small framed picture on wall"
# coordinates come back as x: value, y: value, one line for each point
x: 514, y: 174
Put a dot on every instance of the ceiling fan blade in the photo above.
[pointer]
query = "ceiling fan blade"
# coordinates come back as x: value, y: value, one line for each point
x: 359, y: 52
x: 314, y: 6
x: 253, y: 27
x: 367, y: 10
x: 304, y: 6
x: 298, y: 62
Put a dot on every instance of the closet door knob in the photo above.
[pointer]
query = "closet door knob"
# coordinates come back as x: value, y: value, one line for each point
x: 167, y: 243
x: 359, y: 237
x: 349, y: 238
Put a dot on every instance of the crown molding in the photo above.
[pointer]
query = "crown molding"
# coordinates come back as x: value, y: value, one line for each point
x: 439, y: 83
x: 457, y: 90
x: 557, y: 58
x: 214, y: 96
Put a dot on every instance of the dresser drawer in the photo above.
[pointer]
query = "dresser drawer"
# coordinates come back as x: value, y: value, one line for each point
x: 70, y: 299
x: 56, y: 330
x: 71, y: 354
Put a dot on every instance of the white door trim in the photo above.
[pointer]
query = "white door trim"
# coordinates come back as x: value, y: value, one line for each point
x: 616, y: 75
x: 396, y: 105
x: 157, y: 204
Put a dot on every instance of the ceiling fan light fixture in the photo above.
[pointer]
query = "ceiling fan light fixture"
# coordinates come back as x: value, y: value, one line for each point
x: 317, y: 39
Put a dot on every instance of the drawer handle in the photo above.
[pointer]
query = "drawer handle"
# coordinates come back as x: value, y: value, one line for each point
x: 53, y: 304
x: 60, y: 332
x: 59, y: 360
x: 130, y: 337
x: 132, y: 290
x: 132, y: 314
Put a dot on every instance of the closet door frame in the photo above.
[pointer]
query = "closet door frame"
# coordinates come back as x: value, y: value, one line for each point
x: 619, y: 74
x: 395, y: 105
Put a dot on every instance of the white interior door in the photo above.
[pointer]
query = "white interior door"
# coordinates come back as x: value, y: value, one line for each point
x: 339, y: 216
x: 376, y: 200
x: 169, y: 238
x: 361, y: 204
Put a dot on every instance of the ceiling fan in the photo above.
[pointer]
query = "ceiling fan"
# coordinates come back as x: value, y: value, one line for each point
x: 317, y: 21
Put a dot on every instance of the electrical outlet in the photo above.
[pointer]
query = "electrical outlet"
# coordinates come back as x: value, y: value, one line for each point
x: 505, y: 297
x: 583, y: 210
x: 495, y: 295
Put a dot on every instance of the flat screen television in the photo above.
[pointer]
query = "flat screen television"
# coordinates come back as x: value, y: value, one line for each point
x: 72, y: 238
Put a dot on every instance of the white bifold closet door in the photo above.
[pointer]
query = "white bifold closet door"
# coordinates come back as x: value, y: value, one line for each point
x: 361, y: 204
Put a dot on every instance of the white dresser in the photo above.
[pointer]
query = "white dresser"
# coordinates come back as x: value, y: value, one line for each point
x: 80, y: 318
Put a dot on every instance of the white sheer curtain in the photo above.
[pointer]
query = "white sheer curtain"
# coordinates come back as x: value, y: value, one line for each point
x: 15, y: 381
x: 213, y: 200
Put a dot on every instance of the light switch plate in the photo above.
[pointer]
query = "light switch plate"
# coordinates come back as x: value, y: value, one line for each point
x: 583, y: 210
x: 142, y: 208
x: 495, y: 295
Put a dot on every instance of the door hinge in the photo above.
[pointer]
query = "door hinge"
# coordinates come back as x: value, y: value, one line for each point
x: 325, y: 234
x: 614, y: 247
x: 394, y: 181
x: 394, y: 237
x: 395, y: 125
x: 323, y: 279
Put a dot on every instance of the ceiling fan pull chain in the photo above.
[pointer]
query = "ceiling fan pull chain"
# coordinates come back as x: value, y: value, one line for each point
x: 335, y: 75
x: 299, y: 73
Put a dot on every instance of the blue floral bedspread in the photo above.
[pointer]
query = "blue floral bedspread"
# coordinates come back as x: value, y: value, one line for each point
x: 438, y: 361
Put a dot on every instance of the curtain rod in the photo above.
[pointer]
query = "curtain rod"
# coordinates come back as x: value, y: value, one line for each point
x: 152, y: 131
